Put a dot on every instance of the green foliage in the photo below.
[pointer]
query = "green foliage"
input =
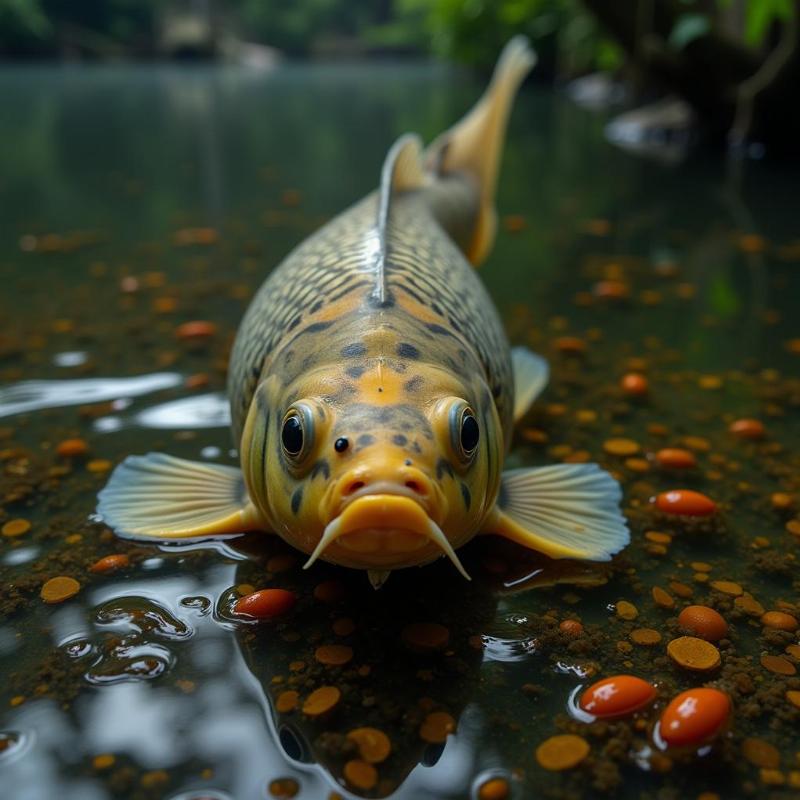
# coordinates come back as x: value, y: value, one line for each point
x: 23, y: 25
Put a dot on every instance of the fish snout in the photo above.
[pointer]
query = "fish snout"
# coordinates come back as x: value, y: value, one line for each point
x: 368, y: 479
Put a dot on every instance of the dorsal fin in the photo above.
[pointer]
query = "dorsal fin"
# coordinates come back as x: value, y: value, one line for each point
x: 402, y: 172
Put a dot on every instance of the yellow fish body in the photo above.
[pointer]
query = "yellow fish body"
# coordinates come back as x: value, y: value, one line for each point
x: 373, y: 392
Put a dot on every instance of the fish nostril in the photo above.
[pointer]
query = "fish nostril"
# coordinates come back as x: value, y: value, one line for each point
x: 416, y: 487
x: 353, y: 486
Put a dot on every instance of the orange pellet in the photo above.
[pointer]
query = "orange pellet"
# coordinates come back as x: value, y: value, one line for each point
x: 685, y: 502
x: 343, y: 626
x: 197, y: 381
x: 749, y: 605
x: 16, y: 527
x: 782, y: 501
x: 570, y: 345
x: 110, y: 563
x: 747, y: 429
x: 494, y: 789
x: 704, y: 622
x: 287, y: 701
x: 778, y: 664
x: 436, y: 727
x: 571, y: 627
x: 98, y: 465
x: 266, y: 603
x: 675, y: 458
x: 694, y: 717
x: 103, y: 761
x: 59, y: 589
x: 727, y: 587
x: 779, y: 620
x: 72, y: 447
x: 611, y: 290
x: 761, y: 753
x: 321, y: 701
x: 334, y: 655
x: 662, y: 598
x: 646, y: 636
x: 514, y: 223
x: 425, y: 637
x: 617, y: 696
x: 562, y: 752
x: 620, y: 447
x: 694, y: 654
x: 373, y: 744
x: 331, y: 591
x: 197, y: 329
x: 626, y: 610
x: 634, y: 385
x: 360, y: 774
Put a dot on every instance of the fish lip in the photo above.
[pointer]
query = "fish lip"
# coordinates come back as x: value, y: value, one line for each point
x: 388, y: 489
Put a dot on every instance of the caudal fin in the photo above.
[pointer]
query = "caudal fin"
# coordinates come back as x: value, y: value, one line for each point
x: 474, y: 145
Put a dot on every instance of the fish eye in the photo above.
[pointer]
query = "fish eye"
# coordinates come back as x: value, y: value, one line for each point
x: 464, y: 431
x: 297, y: 432
x: 292, y: 434
x: 470, y: 432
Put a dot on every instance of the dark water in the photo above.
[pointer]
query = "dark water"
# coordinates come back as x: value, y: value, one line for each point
x: 103, y: 172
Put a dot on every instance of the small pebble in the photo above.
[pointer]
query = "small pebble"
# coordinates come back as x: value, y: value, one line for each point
x: 197, y: 329
x: 645, y: 636
x: 694, y: 654
x: 662, y: 599
x: 626, y: 610
x: 562, y: 752
x: 727, y: 587
x: 571, y: 627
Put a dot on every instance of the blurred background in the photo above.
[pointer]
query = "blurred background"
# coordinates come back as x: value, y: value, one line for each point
x: 724, y: 71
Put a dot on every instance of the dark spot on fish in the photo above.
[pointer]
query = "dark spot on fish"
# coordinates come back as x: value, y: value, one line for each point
x: 406, y: 350
x: 497, y: 390
x: 400, y: 440
x: 454, y: 324
x: 414, y: 384
x: 415, y: 446
x: 321, y: 468
x: 439, y: 330
x: 316, y: 307
x: 435, y: 308
x: 354, y: 350
x: 255, y: 372
x: 316, y: 327
x: 443, y: 466
x: 407, y: 462
x: 398, y: 366
x: 320, y: 412
x: 345, y: 390
x: 465, y: 493
x: 365, y: 440
x: 355, y: 372
x: 297, y: 498
x: 288, y: 356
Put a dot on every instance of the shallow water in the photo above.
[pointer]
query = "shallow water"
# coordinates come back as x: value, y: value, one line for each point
x: 135, y: 199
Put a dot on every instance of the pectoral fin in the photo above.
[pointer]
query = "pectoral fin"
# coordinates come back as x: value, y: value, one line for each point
x: 531, y: 373
x: 563, y: 511
x: 162, y: 497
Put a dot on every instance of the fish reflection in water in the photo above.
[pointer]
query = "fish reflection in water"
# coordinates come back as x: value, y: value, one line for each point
x: 389, y: 680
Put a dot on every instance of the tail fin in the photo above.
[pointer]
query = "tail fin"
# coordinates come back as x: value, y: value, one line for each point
x: 475, y: 143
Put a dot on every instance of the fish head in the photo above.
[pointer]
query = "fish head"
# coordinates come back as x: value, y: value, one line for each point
x: 390, y: 471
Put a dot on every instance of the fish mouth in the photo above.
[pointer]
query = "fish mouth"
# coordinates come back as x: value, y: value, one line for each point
x: 379, y: 526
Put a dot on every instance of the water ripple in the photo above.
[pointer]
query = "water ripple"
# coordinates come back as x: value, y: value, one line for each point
x: 27, y: 396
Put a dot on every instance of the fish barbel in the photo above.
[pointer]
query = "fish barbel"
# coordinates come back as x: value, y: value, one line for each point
x: 373, y: 392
